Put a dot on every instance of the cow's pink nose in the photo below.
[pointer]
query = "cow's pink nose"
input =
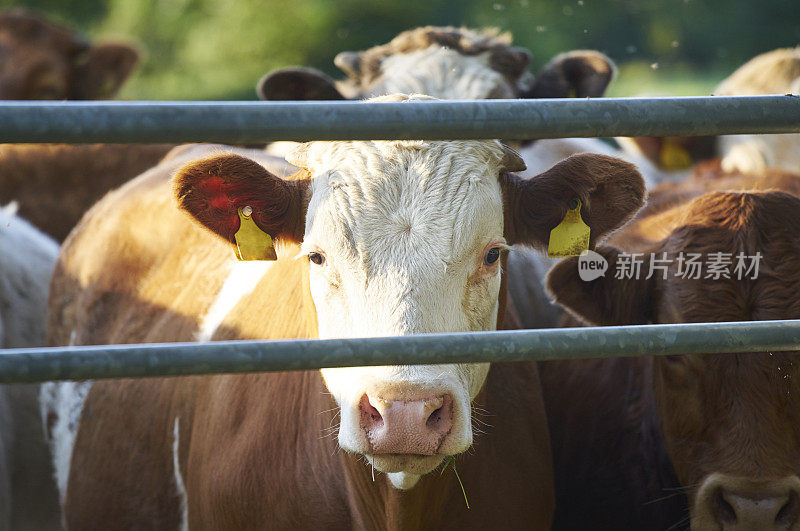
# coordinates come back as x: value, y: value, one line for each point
x: 406, y: 427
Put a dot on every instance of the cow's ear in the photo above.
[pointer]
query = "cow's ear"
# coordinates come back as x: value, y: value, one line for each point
x: 606, y: 300
x: 575, y: 74
x: 216, y: 189
x: 297, y: 84
x: 101, y: 70
x: 610, y: 192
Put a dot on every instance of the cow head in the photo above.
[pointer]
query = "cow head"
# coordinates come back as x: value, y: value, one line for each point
x: 42, y: 61
x: 447, y: 63
x: 731, y: 422
x: 776, y: 72
x: 406, y: 237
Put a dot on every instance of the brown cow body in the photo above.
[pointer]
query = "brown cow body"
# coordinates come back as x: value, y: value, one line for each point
x: 54, y: 184
x: 272, y: 462
x: 638, y: 443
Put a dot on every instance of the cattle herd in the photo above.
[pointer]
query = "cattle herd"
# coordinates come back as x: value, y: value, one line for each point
x: 387, y: 238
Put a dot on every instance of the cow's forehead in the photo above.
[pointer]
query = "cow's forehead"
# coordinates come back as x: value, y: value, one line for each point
x: 442, y: 73
x: 359, y: 158
x: 384, y: 192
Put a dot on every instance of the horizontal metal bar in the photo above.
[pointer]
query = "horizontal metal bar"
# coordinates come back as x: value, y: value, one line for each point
x: 174, y: 359
x: 258, y: 122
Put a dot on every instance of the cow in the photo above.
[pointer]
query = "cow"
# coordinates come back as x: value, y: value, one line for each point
x: 373, y: 239
x: 28, y: 497
x: 774, y: 72
x: 447, y: 63
x: 54, y: 184
x: 44, y: 61
x: 710, y: 441
x: 457, y: 64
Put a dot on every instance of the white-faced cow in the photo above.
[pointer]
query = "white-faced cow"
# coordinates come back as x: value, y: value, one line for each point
x: 28, y: 499
x: 707, y: 440
x: 374, y: 239
x: 447, y: 63
x: 55, y: 184
x: 775, y: 72
x: 457, y: 64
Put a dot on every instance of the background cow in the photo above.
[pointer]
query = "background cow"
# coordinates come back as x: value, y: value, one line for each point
x: 633, y: 439
x: 27, y: 492
x: 395, y: 238
x: 448, y: 63
x: 54, y: 184
x: 775, y: 72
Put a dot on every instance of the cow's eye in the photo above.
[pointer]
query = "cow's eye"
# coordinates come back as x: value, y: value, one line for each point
x: 316, y: 258
x: 492, y: 255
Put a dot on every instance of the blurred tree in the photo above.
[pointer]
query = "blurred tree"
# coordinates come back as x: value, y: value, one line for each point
x: 217, y: 49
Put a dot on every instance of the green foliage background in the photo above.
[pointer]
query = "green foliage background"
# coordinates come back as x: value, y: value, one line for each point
x: 218, y: 49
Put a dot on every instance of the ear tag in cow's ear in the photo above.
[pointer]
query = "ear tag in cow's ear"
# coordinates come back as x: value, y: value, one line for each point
x: 571, y: 236
x: 252, y: 243
x: 674, y: 157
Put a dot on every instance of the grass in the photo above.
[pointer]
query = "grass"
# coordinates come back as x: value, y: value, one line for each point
x: 451, y: 462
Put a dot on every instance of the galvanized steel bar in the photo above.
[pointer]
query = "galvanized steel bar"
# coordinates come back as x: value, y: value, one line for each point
x: 258, y: 122
x: 174, y: 359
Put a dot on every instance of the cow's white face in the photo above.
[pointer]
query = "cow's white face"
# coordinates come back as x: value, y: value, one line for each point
x: 404, y: 238
x: 442, y: 73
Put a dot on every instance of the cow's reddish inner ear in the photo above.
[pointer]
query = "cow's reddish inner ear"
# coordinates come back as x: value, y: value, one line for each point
x: 212, y: 190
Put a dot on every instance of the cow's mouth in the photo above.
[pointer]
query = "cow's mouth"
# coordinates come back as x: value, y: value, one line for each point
x: 409, y: 463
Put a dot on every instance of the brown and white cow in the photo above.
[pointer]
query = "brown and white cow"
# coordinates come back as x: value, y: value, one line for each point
x: 54, y: 184
x: 775, y: 72
x: 707, y: 440
x: 456, y: 64
x: 28, y: 499
x: 447, y: 63
x: 374, y: 239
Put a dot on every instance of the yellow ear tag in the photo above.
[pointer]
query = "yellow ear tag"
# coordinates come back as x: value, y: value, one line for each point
x: 674, y: 157
x: 252, y: 243
x: 571, y: 236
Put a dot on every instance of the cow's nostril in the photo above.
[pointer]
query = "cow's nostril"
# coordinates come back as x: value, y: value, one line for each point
x: 440, y: 419
x: 370, y: 416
